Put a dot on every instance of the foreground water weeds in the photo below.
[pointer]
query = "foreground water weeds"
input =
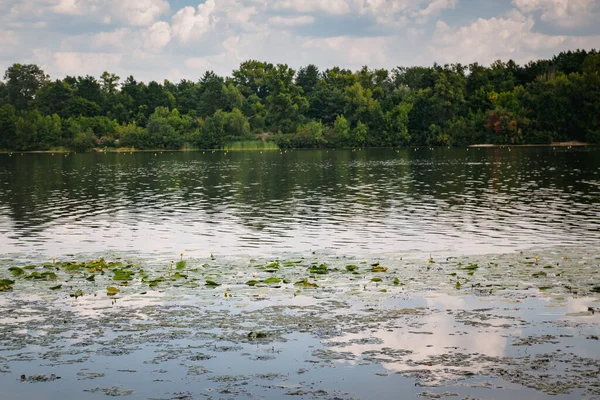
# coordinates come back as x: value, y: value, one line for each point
x: 501, y: 326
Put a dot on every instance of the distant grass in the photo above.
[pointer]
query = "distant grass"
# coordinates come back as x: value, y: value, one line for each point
x: 251, y: 145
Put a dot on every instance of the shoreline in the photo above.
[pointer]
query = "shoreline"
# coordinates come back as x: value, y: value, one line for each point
x: 132, y: 150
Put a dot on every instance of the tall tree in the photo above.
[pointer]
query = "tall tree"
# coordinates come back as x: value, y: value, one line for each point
x: 22, y: 83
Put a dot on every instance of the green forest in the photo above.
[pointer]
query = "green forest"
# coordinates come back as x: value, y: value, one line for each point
x: 541, y: 102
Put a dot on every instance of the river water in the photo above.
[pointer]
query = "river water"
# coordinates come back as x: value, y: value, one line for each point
x: 349, y: 274
x: 370, y: 201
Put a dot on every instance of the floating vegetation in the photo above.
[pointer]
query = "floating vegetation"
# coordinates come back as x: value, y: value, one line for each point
x: 6, y: 285
x: 306, y: 284
x: 378, y: 268
x: 113, y: 391
x: 272, y: 280
x: 111, y: 291
x: 319, y: 269
x: 441, y: 328
x: 38, y: 378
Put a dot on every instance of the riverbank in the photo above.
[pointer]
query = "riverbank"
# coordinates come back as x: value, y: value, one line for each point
x: 554, y: 144
x: 269, y: 148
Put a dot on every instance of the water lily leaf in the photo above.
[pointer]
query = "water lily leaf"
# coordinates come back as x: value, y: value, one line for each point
x: 376, y: 280
x: 378, y: 268
x: 272, y: 280
x: 595, y: 289
x: 77, y: 293
x: 351, y: 268
x: 123, y: 275
x: 6, y: 285
x: 16, y: 271
x: 320, y: 269
x: 180, y: 265
x: 57, y: 287
x: 305, y: 283
x: 111, y: 291
x: 539, y: 274
x: 396, y: 281
x: 212, y: 283
x: 470, y: 267
x: 257, y: 335
x: 178, y: 275
x: 252, y: 283
x: 72, y: 267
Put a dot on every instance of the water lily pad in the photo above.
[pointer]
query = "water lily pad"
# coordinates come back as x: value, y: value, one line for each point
x: 111, y: 291
x: 305, y: 283
x: 378, y: 268
x: 180, y: 265
x: 351, y: 268
x: 272, y: 280
x: 212, y: 283
x: 16, y: 271
x: 319, y: 269
x: 6, y: 285
x: 123, y: 275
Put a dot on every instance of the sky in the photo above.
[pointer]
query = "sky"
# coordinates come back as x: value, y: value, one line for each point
x: 181, y: 39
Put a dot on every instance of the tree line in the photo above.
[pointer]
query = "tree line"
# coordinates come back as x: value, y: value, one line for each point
x: 451, y: 105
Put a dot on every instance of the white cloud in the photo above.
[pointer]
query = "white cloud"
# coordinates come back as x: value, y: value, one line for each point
x: 563, y: 13
x: 224, y: 18
x: 434, y: 8
x: 328, y: 7
x: 292, y: 21
x: 350, y: 52
x: 190, y: 25
x: 7, y: 39
x: 139, y: 12
x: 75, y: 63
x: 129, y: 12
x: 383, y: 10
x: 122, y: 40
x: 69, y: 7
x: 511, y: 37
x: 157, y: 36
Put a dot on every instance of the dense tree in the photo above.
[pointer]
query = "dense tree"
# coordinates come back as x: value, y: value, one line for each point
x: 504, y: 103
x: 22, y: 82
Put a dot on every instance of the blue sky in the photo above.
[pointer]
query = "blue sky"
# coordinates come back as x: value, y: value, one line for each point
x: 176, y: 39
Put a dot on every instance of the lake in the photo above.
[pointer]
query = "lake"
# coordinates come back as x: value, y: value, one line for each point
x: 444, y: 273
x: 447, y: 201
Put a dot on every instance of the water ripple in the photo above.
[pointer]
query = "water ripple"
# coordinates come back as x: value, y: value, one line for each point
x: 372, y: 201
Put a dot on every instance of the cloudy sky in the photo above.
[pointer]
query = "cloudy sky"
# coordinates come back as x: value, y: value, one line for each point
x: 175, y: 39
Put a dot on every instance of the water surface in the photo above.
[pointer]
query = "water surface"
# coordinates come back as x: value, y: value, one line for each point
x: 452, y: 201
